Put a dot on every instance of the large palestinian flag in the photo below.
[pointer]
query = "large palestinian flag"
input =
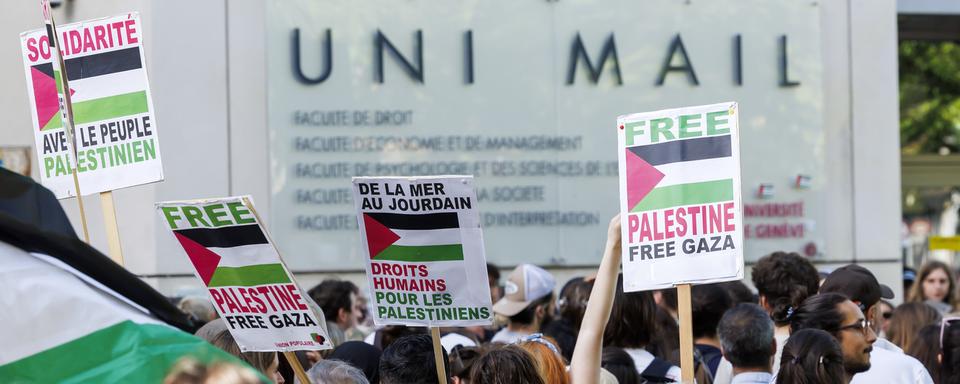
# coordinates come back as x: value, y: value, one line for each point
x: 71, y: 315
x: 413, y: 237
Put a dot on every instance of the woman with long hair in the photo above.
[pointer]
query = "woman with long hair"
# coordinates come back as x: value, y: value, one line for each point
x: 811, y: 356
x: 505, y: 365
x: 907, y: 320
x: 267, y: 363
x: 936, y: 286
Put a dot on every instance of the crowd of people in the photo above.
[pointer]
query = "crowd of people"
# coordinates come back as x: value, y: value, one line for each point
x: 800, y: 325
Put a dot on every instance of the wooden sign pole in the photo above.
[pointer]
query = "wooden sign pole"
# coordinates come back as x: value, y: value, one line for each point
x: 67, y: 115
x: 113, y: 231
x: 297, y: 368
x: 686, y: 333
x: 438, y: 355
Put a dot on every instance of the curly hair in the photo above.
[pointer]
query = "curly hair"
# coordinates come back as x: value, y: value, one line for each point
x: 785, y: 280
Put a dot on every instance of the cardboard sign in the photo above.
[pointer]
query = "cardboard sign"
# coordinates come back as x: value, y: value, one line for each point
x: 426, y: 264
x: 680, y: 200
x: 115, y: 128
x: 251, y: 288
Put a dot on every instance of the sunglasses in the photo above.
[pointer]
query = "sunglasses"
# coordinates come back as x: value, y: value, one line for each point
x: 943, y: 327
x: 887, y: 315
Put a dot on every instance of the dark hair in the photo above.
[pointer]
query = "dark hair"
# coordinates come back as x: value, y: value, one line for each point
x: 819, y: 312
x: 332, y: 295
x: 784, y: 280
x: 506, y: 365
x: 739, y: 292
x: 666, y: 340
x: 668, y: 298
x: 746, y: 334
x: 632, y: 319
x: 410, y: 360
x: 573, y: 300
x: 950, y: 365
x: 462, y: 359
x: 493, y: 273
x: 811, y: 356
x: 390, y: 333
x: 925, y: 348
x: 620, y: 364
x: 708, y: 302
x: 527, y: 315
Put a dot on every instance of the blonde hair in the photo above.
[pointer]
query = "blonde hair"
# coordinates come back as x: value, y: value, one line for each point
x: 190, y: 371
x: 907, y: 320
x: 261, y: 361
x: 550, y: 365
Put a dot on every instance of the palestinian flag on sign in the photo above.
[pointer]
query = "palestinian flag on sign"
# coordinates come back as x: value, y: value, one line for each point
x: 680, y: 172
x: 238, y: 255
x: 413, y: 238
x: 73, y: 315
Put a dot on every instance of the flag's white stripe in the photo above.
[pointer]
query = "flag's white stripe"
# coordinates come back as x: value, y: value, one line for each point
x: 108, y: 85
x: 45, y: 305
x: 428, y: 237
x: 246, y: 255
x: 696, y: 171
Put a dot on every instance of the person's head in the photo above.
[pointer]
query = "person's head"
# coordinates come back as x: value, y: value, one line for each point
x: 334, y: 372
x: 410, y: 360
x: 783, y: 280
x: 886, y: 313
x: 528, y: 296
x: 934, y: 283
x: 190, y: 371
x: 363, y: 356
x: 573, y: 300
x: 926, y: 349
x: 860, y: 286
x: 462, y: 360
x: 840, y: 317
x: 493, y: 278
x: 811, y: 356
x: 620, y: 364
x: 338, y: 299
x: 739, y: 292
x: 505, y: 365
x: 907, y: 319
x: 199, y: 307
x: 708, y: 302
x: 265, y: 362
x: 746, y: 337
x: 632, y: 322
x: 546, y: 356
x: 950, y: 350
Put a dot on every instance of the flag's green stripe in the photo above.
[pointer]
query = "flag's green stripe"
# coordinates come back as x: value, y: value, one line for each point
x: 125, y: 352
x: 110, y: 107
x: 53, y: 123
x: 686, y: 194
x: 56, y: 80
x: 449, y: 252
x: 249, y: 276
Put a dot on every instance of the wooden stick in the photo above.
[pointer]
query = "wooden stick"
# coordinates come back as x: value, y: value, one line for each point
x: 686, y: 333
x: 438, y: 355
x: 67, y: 115
x: 297, y: 368
x: 113, y: 231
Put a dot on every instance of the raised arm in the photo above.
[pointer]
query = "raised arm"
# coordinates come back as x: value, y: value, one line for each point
x: 585, y: 365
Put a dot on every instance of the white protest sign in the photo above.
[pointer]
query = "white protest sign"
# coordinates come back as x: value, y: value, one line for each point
x: 113, y: 115
x: 680, y: 204
x: 424, y: 244
x: 263, y: 306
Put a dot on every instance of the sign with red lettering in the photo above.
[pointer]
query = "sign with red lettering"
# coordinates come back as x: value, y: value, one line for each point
x: 114, y: 126
x: 680, y: 201
x: 263, y: 306
x: 426, y: 264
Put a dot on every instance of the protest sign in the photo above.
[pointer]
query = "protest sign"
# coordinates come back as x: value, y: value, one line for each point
x: 251, y: 288
x: 115, y: 129
x: 680, y: 196
x: 426, y: 264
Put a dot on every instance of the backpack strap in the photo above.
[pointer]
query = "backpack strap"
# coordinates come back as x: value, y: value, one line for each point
x: 656, y: 372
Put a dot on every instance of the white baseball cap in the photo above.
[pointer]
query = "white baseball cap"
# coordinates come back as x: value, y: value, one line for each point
x: 526, y: 284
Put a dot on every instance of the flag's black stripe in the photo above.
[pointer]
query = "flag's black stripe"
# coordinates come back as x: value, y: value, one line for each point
x: 425, y: 221
x: 96, y: 65
x: 225, y: 237
x: 710, y: 147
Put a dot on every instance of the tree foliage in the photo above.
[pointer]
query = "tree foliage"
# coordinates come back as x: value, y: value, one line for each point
x: 929, y: 97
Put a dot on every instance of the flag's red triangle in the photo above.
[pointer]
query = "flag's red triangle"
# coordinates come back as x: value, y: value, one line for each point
x: 45, y: 96
x: 379, y: 237
x: 641, y: 178
x: 202, y: 258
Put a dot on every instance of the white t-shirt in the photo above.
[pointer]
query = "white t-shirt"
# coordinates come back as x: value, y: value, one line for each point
x: 889, y: 366
x: 642, y: 359
x: 725, y: 369
x: 507, y: 336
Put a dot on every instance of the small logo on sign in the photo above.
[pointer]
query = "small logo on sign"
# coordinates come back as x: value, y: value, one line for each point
x: 316, y: 337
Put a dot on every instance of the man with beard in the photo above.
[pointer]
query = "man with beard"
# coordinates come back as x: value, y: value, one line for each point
x: 837, y: 315
x: 527, y: 303
x: 888, y: 363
